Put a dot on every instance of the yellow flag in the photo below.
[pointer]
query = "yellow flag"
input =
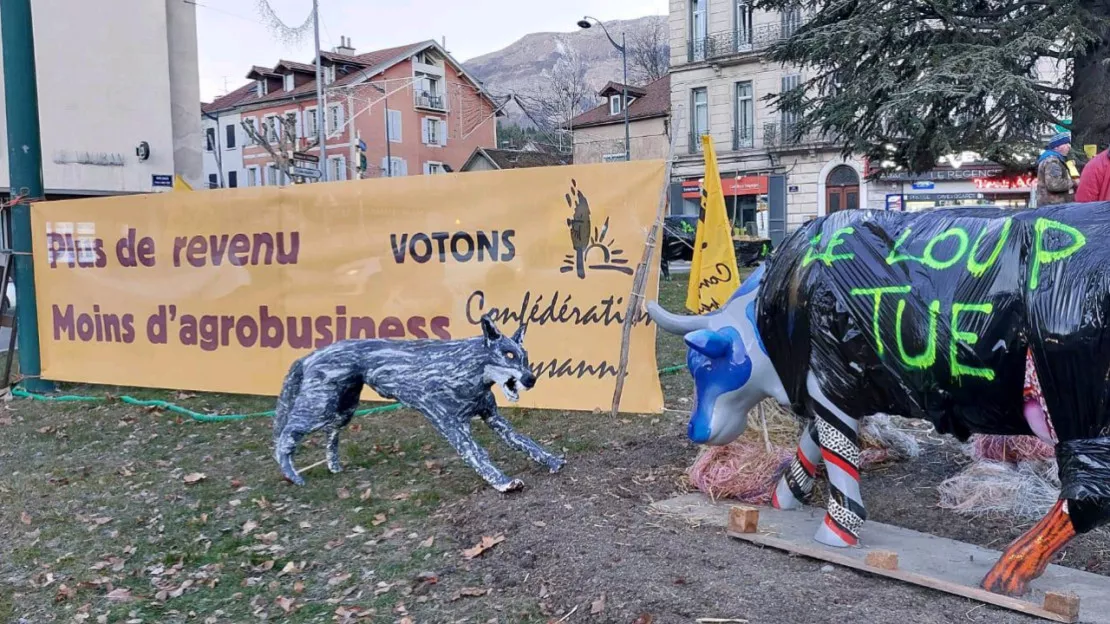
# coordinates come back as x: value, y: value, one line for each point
x: 179, y: 184
x: 713, y: 272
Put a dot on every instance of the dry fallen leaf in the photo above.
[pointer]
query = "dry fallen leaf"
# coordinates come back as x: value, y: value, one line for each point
x: 121, y: 594
x: 486, y: 543
x: 339, y: 578
x: 598, y: 606
x: 428, y: 542
x: 470, y: 591
x: 645, y: 618
x: 343, y: 493
x: 25, y: 518
x: 289, y: 568
x: 65, y: 592
x: 378, y: 519
x: 365, y: 496
x: 298, y: 587
x: 195, y: 477
x: 286, y: 604
x: 249, y: 526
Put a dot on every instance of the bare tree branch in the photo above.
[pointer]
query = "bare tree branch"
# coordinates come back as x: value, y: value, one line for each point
x: 649, y: 52
x: 279, y: 138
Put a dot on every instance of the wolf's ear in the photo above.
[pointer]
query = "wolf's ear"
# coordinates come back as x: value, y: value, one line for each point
x: 489, y: 330
x: 518, y: 337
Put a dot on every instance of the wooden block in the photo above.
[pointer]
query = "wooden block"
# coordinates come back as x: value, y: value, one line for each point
x: 883, y: 559
x: 1064, y: 603
x: 743, y: 519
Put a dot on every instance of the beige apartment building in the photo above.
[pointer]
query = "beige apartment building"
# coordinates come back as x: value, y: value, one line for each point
x: 719, y: 79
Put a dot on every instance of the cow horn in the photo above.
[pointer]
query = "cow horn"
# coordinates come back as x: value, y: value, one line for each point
x: 675, y: 323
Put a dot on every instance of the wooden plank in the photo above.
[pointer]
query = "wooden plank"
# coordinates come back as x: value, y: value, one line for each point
x: 975, y: 593
x: 884, y: 559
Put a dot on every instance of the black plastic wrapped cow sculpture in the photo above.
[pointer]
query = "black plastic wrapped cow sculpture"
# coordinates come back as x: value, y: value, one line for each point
x: 978, y: 320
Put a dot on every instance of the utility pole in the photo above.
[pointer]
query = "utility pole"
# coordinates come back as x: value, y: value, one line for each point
x: 25, y: 168
x: 321, y: 112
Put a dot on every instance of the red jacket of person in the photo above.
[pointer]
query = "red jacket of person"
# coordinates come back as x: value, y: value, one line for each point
x: 1094, y: 182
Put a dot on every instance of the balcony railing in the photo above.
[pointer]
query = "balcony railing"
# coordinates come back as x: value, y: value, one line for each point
x: 743, y: 138
x: 431, y: 102
x: 786, y: 135
x: 695, y: 142
x: 736, y: 42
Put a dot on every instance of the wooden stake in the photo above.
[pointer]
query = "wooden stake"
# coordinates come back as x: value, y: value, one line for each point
x: 311, y: 466
x: 1064, y: 603
x: 743, y: 519
x: 639, y: 281
x: 883, y: 559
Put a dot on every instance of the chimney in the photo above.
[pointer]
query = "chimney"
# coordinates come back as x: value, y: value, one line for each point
x: 345, y: 46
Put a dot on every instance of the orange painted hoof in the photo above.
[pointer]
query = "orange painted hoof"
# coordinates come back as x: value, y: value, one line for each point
x: 1029, y: 555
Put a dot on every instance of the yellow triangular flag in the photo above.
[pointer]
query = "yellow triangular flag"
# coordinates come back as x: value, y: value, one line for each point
x: 713, y: 272
x: 179, y: 184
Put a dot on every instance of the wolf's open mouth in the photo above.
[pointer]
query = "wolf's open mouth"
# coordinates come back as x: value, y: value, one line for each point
x: 512, y: 392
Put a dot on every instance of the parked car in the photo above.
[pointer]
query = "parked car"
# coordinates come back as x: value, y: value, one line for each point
x: 680, y: 232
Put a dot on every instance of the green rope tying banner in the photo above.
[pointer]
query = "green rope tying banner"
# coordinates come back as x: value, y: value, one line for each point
x: 197, y: 416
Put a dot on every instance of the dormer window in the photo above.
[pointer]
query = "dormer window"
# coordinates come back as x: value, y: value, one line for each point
x: 614, y: 105
x: 260, y: 87
x: 289, y: 82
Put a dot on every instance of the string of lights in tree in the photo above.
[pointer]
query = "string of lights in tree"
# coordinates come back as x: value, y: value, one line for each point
x: 289, y: 35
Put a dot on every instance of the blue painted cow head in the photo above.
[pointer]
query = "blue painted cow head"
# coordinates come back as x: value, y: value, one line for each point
x: 726, y: 357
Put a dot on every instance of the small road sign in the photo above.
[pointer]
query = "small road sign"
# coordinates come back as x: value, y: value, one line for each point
x: 305, y: 157
x: 306, y: 172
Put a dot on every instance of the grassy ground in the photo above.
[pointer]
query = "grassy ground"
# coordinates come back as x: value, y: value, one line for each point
x: 117, y: 513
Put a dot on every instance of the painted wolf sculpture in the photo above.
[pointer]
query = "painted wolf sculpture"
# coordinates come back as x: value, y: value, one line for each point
x: 450, y: 382
x: 943, y: 316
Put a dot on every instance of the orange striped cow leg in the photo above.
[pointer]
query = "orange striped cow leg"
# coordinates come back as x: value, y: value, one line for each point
x: 1029, y: 555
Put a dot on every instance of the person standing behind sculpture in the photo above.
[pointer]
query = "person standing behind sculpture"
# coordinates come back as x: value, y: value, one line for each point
x: 1094, y: 182
x: 1054, y: 183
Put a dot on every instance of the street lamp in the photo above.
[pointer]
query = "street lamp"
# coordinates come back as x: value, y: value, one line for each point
x: 585, y: 23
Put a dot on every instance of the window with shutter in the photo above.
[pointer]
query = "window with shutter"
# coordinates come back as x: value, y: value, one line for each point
x: 443, y: 135
x: 426, y: 130
x: 394, y: 126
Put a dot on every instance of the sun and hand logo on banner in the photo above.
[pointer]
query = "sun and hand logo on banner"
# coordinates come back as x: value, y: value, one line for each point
x: 714, y: 275
x: 221, y: 290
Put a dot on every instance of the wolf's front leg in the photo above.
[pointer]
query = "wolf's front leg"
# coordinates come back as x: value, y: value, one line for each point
x: 795, y: 488
x: 457, y: 432
x: 333, y: 451
x: 521, y: 442
x: 839, y: 437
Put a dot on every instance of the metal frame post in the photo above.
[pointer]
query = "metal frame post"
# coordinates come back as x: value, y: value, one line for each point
x: 25, y: 167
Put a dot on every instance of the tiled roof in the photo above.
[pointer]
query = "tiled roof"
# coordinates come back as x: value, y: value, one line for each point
x: 616, y: 88
x: 656, y: 103
x: 375, y: 62
x: 519, y: 159
x: 295, y: 66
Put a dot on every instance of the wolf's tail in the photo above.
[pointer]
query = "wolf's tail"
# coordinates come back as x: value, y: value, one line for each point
x: 290, y: 388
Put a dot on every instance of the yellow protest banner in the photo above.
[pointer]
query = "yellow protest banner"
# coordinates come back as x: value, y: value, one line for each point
x: 713, y: 272
x: 222, y: 290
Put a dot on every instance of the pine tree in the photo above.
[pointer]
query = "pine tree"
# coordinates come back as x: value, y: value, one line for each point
x: 906, y: 82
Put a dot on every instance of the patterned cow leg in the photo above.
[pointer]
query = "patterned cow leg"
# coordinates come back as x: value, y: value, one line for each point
x: 1029, y: 555
x: 795, y: 488
x: 838, y: 434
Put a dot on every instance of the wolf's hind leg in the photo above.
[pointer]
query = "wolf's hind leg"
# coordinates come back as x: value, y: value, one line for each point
x: 346, y: 411
x: 522, y: 443
x: 333, y: 451
x: 303, y: 420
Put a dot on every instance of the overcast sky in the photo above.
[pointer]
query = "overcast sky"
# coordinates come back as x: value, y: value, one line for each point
x: 233, y: 36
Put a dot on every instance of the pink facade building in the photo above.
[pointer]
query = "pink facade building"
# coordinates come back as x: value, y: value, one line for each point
x: 408, y: 110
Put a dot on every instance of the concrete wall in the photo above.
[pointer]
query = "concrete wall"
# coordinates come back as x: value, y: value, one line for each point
x: 104, y: 77
x: 648, y: 141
